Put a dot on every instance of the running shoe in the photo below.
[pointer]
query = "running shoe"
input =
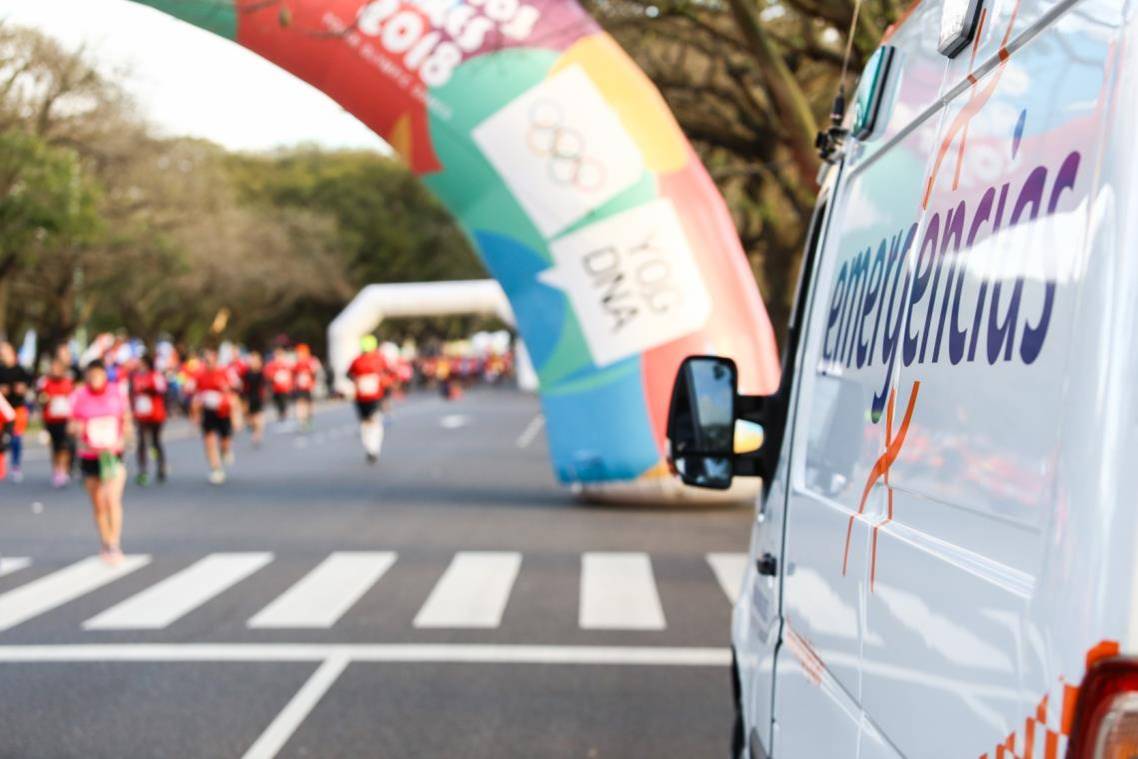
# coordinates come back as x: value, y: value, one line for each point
x: 217, y: 477
x: 17, y: 474
x: 143, y: 479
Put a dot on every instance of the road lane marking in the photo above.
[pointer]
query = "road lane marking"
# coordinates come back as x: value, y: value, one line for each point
x: 618, y: 592
x: 325, y: 594
x: 530, y: 432
x: 729, y: 569
x: 278, y: 732
x: 454, y: 421
x: 656, y: 656
x: 169, y: 600
x: 473, y: 591
x: 10, y: 564
x: 60, y: 587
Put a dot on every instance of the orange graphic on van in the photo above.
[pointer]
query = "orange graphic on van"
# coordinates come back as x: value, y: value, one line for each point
x: 976, y: 101
x: 880, y: 471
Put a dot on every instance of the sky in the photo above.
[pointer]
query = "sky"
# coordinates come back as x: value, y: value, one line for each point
x: 189, y: 82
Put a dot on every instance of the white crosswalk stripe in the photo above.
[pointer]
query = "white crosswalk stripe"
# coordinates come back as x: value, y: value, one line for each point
x: 326, y: 593
x: 167, y: 601
x: 729, y: 569
x: 472, y: 592
x: 60, y: 587
x: 618, y: 592
x: 10, y: 564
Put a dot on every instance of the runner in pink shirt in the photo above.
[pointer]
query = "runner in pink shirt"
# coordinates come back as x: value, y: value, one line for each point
x: 100, y: 411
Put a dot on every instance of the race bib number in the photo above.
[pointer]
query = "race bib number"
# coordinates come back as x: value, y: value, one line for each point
x: 103, y: 433
x: 368, y: 384
x: 211, y: 399
x: 304, y: 382
x: 59, y: 407
x: 143, y: 405
x: 281, y: 378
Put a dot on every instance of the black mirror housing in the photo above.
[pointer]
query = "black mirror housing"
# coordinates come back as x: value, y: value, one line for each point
x: 701, y: 424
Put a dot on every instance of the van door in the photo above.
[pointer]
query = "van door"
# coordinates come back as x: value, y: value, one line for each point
x: 997, y: 282
x: 817, y: 671
x: 841, y: 436
x: 757, y: 619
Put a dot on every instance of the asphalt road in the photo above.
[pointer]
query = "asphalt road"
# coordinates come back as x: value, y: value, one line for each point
x: 451, y: 601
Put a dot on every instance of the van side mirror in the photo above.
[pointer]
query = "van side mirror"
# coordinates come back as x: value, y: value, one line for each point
x: 710, y: 439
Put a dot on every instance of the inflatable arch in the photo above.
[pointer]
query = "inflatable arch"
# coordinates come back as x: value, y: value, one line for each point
x: 566, y: 169
x: 375, y: 303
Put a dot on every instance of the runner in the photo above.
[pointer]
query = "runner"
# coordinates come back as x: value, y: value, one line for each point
x: 15, y: 381
x: 7, y: 419
x: 55, y: 391
x: 304, y: 374
x: 253, y: 396
x: 279, y: 373
x: 369, y: 374
x: 99, y: 419
x: 212, y: 407
x: 148, y: 399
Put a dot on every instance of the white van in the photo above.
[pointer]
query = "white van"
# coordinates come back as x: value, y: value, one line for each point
x: 943, y: 560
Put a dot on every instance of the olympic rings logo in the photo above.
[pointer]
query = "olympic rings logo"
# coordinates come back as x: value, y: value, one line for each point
x: 564, y: 146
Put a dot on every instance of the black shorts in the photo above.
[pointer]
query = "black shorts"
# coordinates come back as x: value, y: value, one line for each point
x: 90, y: 467
x: 365, y: 410
x: 60, y: 437
x: 215, y: 423
x: 255, y: 404
x: 302, y: 395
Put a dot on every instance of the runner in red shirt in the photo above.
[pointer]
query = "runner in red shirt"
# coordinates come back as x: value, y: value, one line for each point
x: 54, y: 392
x: 370, y: 376
x: 304, y: 378
x: 215, y: 396
x: 148, y: 400
x: 279, y: 373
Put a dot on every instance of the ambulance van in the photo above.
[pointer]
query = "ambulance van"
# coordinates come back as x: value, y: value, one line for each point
x: 943, y: 563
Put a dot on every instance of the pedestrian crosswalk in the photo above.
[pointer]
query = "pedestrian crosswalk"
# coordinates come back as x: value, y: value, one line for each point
x: 166, y: 602
x: 617, y: 591
x: 322, y: 596
x: 472, y: 592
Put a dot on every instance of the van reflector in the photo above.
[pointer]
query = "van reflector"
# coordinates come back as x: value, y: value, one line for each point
x: 1106, y: 713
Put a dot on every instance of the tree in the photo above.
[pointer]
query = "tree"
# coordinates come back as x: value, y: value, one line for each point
x: 751, y: 82
x: 46, y: 204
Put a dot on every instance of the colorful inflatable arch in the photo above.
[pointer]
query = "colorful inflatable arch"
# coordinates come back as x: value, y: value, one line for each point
x: 565, y: 167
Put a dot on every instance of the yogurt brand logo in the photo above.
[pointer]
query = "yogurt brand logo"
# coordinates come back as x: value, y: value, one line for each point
x: 963, y: 297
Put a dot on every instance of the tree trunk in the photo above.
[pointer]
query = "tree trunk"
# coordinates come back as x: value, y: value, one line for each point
x: 789, y: 98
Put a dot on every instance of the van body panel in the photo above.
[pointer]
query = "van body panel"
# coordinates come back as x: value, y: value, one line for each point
x: 954, y: 504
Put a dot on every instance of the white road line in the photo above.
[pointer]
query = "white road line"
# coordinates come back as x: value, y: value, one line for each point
x: 167, y: 601
x: 67, y: 584
x: 325, y: 594
x: 530, y: 432
x: 10, y: 564
x: 472, y: 592
x: 729, y: 569
x: 656, y: 656
x: 278, y: 732
x: 618, y: 592
x: 454, y: 421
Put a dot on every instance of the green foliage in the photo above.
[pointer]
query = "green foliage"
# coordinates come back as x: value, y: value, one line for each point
x: 105, y: 225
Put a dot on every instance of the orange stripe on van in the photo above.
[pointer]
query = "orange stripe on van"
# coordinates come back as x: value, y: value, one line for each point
x: 879, y: 471
x: 1051, y: 735
x: 1070, y: 694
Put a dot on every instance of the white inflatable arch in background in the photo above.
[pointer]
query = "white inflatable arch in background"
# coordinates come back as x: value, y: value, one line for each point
x: 375, y: 303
